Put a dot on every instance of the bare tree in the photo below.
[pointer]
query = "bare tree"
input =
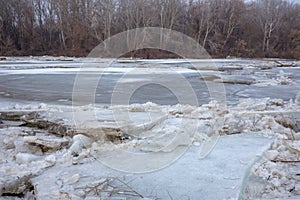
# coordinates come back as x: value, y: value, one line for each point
x: 74, y: 27
x: 204, y: 12
x: 230, y: 19
x: 269, y: 17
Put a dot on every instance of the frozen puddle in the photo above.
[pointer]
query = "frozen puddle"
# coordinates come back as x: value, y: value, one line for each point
x: 221, y: 175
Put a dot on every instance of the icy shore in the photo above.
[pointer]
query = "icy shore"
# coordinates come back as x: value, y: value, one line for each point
x: 256, y: 155
x: 248, y: 150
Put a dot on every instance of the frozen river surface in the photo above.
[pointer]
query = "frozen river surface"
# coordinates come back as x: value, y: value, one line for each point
x: 255, y: 157
x: 51, y: 80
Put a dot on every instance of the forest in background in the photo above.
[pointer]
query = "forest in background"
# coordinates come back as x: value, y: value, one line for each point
x: 257, y: 28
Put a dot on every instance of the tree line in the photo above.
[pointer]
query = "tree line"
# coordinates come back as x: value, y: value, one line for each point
x: 257, y: 28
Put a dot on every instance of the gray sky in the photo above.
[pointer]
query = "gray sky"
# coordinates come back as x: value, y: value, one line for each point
x: 296, y: 1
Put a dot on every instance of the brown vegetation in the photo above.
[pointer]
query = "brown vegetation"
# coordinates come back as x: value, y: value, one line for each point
x: 258, y: 28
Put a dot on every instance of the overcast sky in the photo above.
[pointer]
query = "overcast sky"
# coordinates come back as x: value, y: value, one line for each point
x: 296, y: 1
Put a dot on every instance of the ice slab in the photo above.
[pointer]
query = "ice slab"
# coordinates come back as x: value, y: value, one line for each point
x: 221, y: 175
